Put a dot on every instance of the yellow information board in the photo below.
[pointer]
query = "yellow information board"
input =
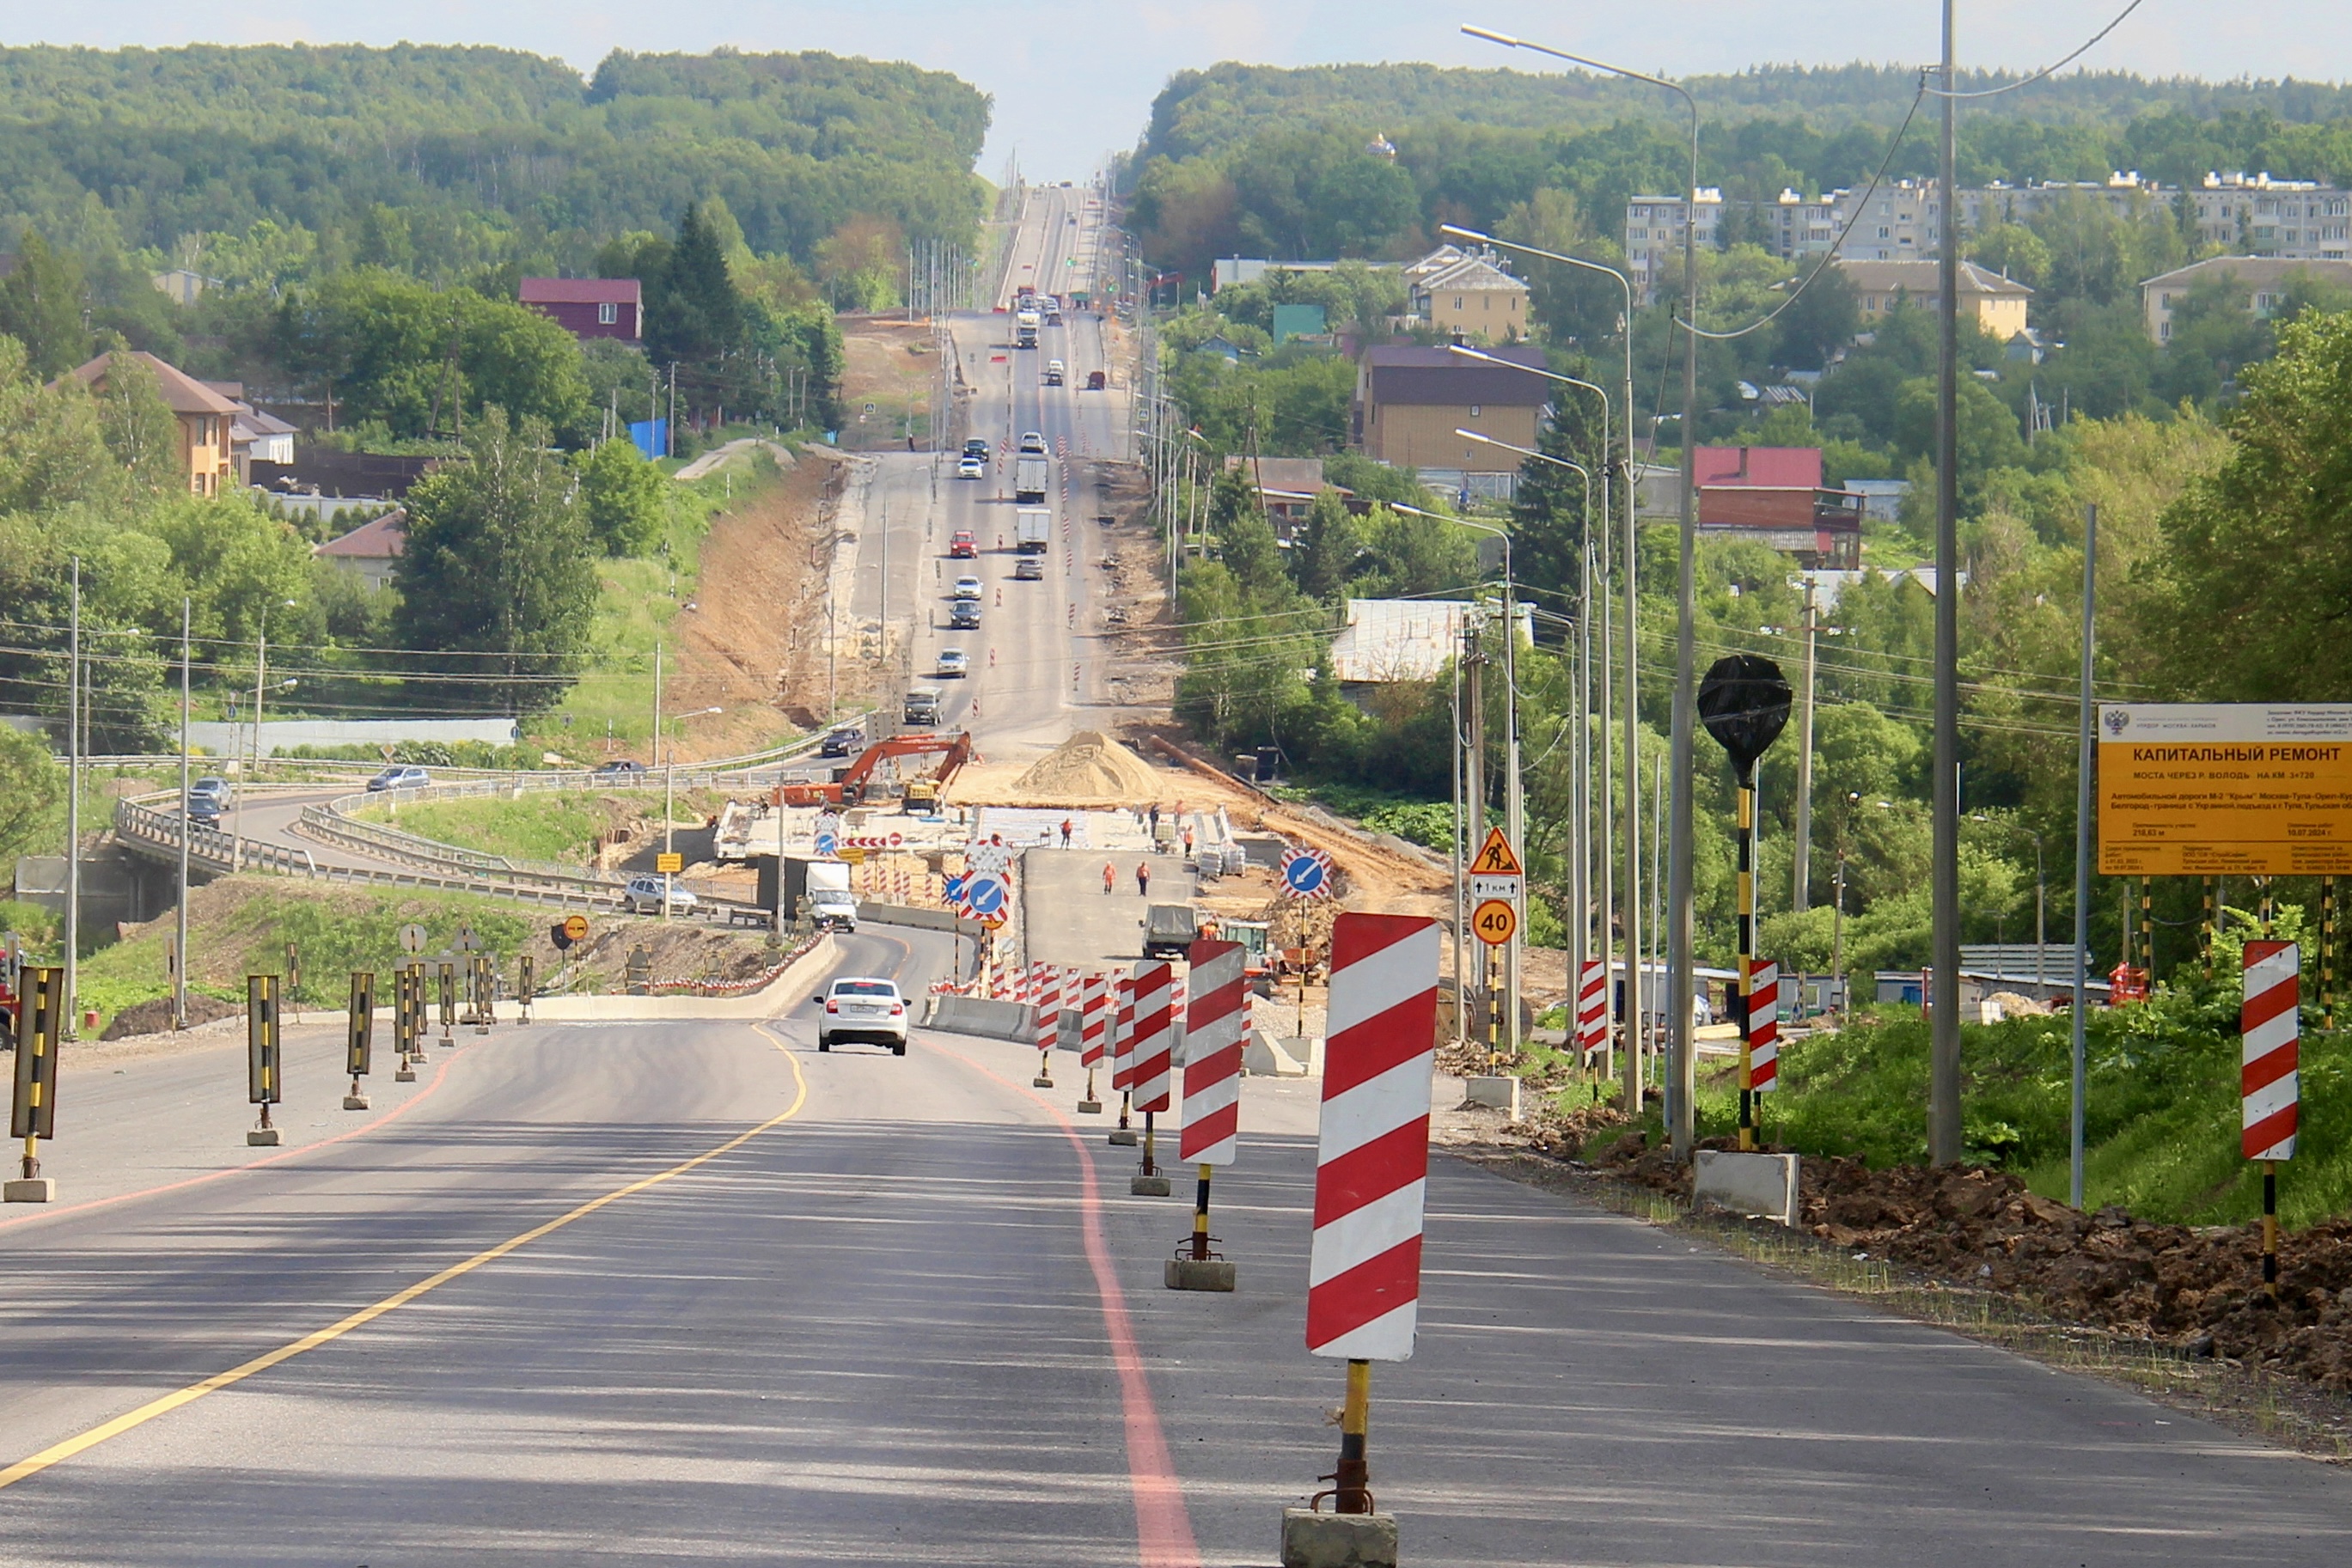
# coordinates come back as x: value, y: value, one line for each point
x: 670, y: 863
x: 2225, y: 789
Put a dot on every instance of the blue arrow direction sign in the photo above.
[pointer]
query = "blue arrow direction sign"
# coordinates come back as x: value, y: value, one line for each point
x: 1304, y: 873
x: 985, y: 894
x: 952, y: 893
x: 827, y: 844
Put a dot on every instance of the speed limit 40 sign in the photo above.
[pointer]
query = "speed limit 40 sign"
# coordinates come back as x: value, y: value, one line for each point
x: 1494, y: 921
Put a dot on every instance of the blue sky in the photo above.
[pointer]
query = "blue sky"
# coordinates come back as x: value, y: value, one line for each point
x: 1073, y: 80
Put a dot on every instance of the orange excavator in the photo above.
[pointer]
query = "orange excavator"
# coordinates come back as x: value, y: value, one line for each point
x: 850, y: 789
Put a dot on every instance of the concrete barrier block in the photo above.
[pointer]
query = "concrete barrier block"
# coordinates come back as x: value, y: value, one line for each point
x: 29, y: 1189
x: 1197, y: 1274
x: 984, y: 1016
x: 1311, y: 1540
x: 1763, y: 1186
x: 355, y: 1102
x: 1270, y: 1058
x: 261, y: 1137
x: 1501, y: 1092
x: 1123, y: 1137
x: 1148, y: 1186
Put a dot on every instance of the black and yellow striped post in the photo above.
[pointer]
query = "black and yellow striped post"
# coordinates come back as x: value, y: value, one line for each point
x: 360, y: 1048
x: 526, y: 987
x: 293, y: 969
x: 32, y: 1115
x: 1351, y: 1480
x: 2147, y: 932
x: 404, y: 1023
x: 264, y: 1085
x: 482, y: 988
x: 448, y: 1004
x: 1746, y: 888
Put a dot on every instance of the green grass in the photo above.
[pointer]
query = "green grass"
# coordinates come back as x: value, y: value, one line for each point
x: 640, y: 599
x: 2160, y: 1114
x: 559, y: 825
x: 240, y: 925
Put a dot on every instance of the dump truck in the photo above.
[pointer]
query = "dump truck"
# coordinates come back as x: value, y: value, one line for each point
x: 1170, y: 930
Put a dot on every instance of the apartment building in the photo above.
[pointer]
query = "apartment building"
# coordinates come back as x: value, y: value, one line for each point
x: 2253, y: 215
x: 2262, y: 285
x: 1995, y: 303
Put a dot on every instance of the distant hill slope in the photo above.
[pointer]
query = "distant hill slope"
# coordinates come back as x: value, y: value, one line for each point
x: 207, y: 139
x: 1209, y: 111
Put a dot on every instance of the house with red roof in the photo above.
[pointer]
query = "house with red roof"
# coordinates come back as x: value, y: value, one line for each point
x: 1774, y: 494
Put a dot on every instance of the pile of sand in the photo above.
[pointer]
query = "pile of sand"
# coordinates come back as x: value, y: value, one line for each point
x: 1090, y: 766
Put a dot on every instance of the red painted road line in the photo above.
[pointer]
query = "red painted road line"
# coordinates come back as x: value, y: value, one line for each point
x: 1163, y: 1527
x: 411, y: 1104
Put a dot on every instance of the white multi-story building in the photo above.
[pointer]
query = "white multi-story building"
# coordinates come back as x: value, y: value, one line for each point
x: 1902, y: 220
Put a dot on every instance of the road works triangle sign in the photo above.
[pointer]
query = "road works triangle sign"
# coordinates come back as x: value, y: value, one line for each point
x: 1497, y: 858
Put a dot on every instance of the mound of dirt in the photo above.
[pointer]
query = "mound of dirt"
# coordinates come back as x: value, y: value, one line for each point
x: 155, y: 1016
x: 2201, y: 1288
x: 1090, y: 766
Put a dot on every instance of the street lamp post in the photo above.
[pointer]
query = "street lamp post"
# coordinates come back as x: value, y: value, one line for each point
x: 1514, y: 797
x: 1631, y: 919
x: 1678, y: 888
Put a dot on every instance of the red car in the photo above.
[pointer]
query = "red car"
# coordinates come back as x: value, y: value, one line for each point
x: 961, y: 545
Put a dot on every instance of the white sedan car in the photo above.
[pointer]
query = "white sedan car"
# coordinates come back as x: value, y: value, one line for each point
x: 970, y: 468
x: 865, y: 1010
x: 954, y: 663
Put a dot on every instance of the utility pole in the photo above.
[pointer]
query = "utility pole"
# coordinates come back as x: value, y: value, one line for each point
x: 2084, y: 758
x: 669, y: 773
x: 73, y: 812
x: 1472, y: 827
x: 1944, y: 880
x: 1802, y: 858
x: 179, y: 962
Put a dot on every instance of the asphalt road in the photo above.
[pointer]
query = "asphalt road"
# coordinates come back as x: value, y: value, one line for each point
x: 902, y: 1312
x: 1033, y: 677
x: 1067, y: 917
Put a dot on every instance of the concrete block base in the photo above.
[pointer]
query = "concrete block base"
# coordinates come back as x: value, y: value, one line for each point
x: 1041, y: 1082
x: 1197, y: 1274
x: 1148, y: 1186
x: 407, y: 1074
x: 1763, y: 1186
x: 29, y: 1189
x: 1501, y: 1093
x: 1123, y: 1137
x: 1089, y: 1107
x: 355, y: 1102
x: 261, y: 1137
x: 1311, y: 1540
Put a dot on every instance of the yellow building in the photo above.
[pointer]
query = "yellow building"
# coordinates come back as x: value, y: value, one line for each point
x: 1996, y: 303
x: 1472, y: 299
x: 1411, y: 400
x: 203, y: 416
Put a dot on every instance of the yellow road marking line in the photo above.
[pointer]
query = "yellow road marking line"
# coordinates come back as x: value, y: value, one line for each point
x: 82, y: 1442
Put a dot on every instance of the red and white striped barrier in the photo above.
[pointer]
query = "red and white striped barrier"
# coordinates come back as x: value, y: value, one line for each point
x: 2271, y: 1027
x: 1371, y: 1169
x: 1046, y: 1015
x: 1154, y: 1032
x: 1212, y: 1056
x: 1763, y: 1026
x: 1592, y: 1007
x: 1122, y: 1035
x: 1093, y: 1019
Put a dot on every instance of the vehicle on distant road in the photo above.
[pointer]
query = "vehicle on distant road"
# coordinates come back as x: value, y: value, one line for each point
x: 1055, y: 372
x: 1033, y: 530
x: 1031, y: 474
x: 954, y: 663
x: 1033, y: 441
x: 921, y: 706
x: 1054, y: 318
x: 967, y: 587
x: 207, y: 798
x: 976, y: 446
x: 965, y: 616
x: 1029, y: 569
x: 831, y: 907
x: 865, y: 1009
x: 1170, y: 930
x: 1096, y: 380
x: 644, y: 893
x: 842, y: 742
x: 962, y: 546
x: 399, y: 777
x: 972, y: 468
x: 623, y: 770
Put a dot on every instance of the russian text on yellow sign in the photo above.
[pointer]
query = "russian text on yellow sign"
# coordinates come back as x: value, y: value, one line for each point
x: 2271, y: 807
x: 669, y: 863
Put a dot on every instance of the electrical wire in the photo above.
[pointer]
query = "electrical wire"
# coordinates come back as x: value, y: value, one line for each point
x: 2046, y: 70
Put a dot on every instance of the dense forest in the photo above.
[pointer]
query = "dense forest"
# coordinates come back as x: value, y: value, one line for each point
x: 489, y: 153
